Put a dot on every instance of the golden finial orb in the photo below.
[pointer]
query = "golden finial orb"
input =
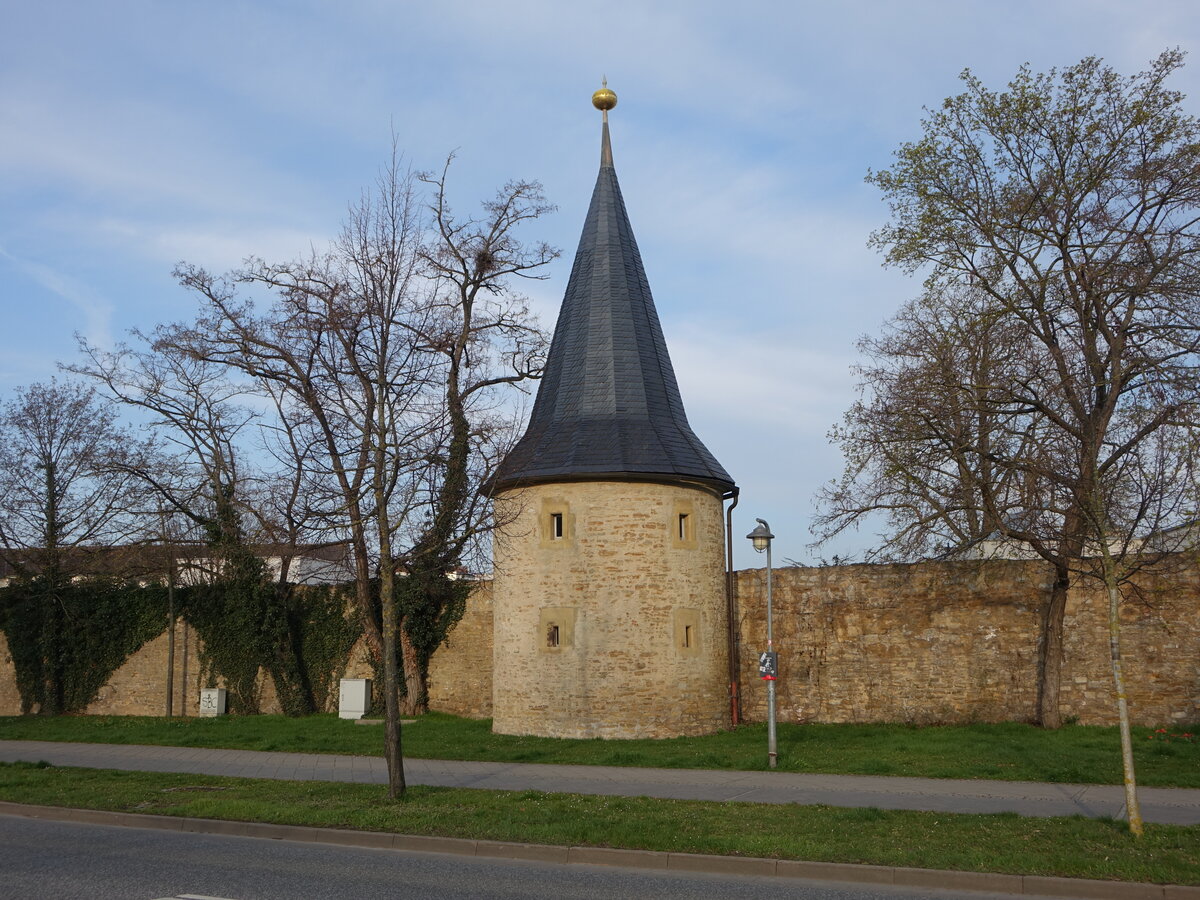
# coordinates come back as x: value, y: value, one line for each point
x: 604, y: 99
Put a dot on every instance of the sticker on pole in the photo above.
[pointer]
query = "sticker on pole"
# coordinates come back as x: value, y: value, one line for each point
x: 768, y: 666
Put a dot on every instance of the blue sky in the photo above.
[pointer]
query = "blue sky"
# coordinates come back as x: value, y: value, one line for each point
x: 134, y: 135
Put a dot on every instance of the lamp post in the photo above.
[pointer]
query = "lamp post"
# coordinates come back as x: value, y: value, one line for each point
x: 768, y: 666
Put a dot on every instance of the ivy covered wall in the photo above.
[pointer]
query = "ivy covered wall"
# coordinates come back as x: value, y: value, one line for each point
x: 66, y: 644
x: 67, y: 640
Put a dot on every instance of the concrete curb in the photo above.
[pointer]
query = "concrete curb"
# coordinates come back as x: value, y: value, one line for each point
x: 1017, y: 885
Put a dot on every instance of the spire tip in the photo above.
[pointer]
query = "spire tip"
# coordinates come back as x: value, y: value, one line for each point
x: 604, y: 99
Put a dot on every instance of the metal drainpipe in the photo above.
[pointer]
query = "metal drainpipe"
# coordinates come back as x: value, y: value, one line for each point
x: 170, y: 647
x: 183, y: 676
x: 735, y: 699
x: 171, y: 635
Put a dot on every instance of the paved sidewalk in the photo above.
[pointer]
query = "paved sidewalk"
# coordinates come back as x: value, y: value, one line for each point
x: 1164, y: 805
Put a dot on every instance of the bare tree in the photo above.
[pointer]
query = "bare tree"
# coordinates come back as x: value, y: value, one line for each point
x: 385, y: 377
x: 919, y: 443
x: 483, y: 339
x: 63, y: 483
x: 286, y: 503
x: 66, y: 494
x: 350, y: 380
x: 931, y: 447
x: 199, y: 412
x: 1069, y: 205
x: 195, y: 409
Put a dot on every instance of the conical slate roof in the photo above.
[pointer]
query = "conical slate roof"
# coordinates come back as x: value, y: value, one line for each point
x: 608, y: 405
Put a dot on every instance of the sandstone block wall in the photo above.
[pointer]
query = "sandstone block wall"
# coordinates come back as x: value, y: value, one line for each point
x: 610, y: 612
x: 10, y: 697
x: 1160, y: 635
x: 934, y: 642
x: 139, y: 686
x: 958, y: 642
x: 358, y: 666
x: 460, y: 673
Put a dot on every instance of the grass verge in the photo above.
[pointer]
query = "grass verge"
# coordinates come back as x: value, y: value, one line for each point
x: 1069, y: 847
x: 1008, y: 751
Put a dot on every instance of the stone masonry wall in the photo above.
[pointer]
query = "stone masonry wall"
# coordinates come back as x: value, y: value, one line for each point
x: 460, y: 673
x: 138, y: 687
x: 610, y: 611
x: 926, y: 643
x: 1160, y: 644
x: 957, y: 642
x: 931, y: 642
x: 10, y: 697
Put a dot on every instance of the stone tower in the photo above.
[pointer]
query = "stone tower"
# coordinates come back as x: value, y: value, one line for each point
x: 610, y: 616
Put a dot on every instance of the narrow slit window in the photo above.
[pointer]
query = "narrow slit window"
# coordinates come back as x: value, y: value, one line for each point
x: 556, y: 526
x: 555, y: 629
x: 683, y: 526
x: 687, y: 636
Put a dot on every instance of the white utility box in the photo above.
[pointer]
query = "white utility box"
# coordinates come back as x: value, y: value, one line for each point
x: 355, y: 700
x: 212, y: 702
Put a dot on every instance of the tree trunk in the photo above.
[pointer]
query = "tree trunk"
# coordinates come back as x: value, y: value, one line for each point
x: 1050, y: 659
x: 416, y: 684
x: 1133, y: 811
x: 391, y: 683
x: 362, y: 588
x: 52, y: 655
x: 52, y: 620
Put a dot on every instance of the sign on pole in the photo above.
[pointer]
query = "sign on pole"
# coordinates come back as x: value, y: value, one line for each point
x: 768, y: 665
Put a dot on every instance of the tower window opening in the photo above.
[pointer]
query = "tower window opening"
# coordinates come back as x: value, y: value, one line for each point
x: 556, y: 526
x: 552, y: 636
x: 687, y: 636
x: 683, y: 527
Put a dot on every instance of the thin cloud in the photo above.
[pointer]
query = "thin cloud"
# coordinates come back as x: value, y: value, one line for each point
x: 96, y: 310
x: 217, y: 247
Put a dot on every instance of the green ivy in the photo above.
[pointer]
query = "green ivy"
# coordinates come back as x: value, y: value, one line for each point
x: 430, y: 607
x: 300, y: 635
x: 227, y: 623
x: 243, y: 620
x: 67, y: 640
x: 327, y: 627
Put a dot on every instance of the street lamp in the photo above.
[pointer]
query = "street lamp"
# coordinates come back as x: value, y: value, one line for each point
x: 768, y: 666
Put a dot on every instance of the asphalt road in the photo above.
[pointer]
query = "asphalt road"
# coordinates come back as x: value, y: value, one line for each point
x: 45, y: 860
